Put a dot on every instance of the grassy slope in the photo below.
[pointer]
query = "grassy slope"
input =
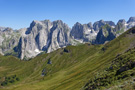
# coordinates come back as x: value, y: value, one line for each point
x: 68, y: 71
x: 121, y: 68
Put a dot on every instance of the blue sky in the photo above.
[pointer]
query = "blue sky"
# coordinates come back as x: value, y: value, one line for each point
x: 20, y: 13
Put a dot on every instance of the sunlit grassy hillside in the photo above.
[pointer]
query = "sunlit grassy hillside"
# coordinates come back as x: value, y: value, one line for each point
x: 68, y: 68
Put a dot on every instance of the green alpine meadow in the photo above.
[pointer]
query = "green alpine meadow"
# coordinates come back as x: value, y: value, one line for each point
x: 82, y: 67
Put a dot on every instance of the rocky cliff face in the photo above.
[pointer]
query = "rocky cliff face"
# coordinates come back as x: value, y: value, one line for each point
x: 83, y: 33
x: 8, y: 40
x: 59, y: 36
x: 43, y: 36
x: 48, y: 36
x: 106, y: 33
x: 97, y: 25
x: 121, y: 27
x: 131, y: 22
x: 88, y: 32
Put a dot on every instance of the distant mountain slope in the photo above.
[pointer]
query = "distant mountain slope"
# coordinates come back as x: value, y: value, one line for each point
x: 69, y: 68
x: 47, y: 36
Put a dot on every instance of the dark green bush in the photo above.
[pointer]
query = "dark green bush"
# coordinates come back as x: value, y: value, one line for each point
x: 12, y: 81
x: 4, y: 83
x: 17, y: 79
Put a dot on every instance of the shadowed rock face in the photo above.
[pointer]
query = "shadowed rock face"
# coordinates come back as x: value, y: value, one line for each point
x: 77, y: 31
x: 121, y: 27
x: 84, y: 33
x: 48, y: 36
x: 110, y: 23
x: 131, y: 19
x: 97, y: 25
x: 106, y: 33
x: 131, y: 22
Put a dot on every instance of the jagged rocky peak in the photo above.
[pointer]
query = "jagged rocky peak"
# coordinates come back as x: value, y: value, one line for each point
x: 6, y: 29
x: 28, y: 31
x: 87, y: 28
x: 90, y: 25
x: 102, y: 21
x: 131, y: 22
x: 122, y: 21
x: 46, y: 21
x: 39, y: 25
x: 111, y: 23
x: 131, y: 19
x: 83, y: 32
x: 98, y: 24
x: 59, y: 24
x: 105, y: 34
x: 35, y: 40
x: 34, y: 22
x: 59, y: 36
x: 2, y: 28
x: 77, y: 31
x: 121, y: 27
x: 77, y: 25
x: 22, y: 31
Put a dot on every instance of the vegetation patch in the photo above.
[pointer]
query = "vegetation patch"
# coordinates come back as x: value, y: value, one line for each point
x: 8, y: 80
x: 123, y: 66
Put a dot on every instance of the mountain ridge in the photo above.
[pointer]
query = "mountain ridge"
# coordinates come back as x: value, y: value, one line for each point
x: 47, y: 36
